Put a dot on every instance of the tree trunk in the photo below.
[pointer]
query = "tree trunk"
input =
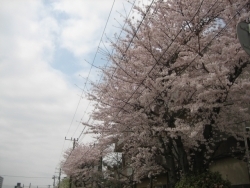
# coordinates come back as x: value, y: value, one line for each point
x: 183, y: 161
x: 170, y: 163
x: 171, y: 167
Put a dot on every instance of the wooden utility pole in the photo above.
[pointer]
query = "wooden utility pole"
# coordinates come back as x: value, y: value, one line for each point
x: 59, y: 177
x: 54, y: 178
x: 74, y: 145
x: 74, y: 141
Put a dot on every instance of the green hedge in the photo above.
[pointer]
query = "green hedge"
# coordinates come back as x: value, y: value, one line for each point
x: 204, y: 180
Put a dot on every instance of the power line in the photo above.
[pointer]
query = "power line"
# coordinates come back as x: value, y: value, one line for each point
x: 88, y: 76
x: 178, y: 47
x: 92, y: 64
x: 90, y: 68
x: 106, y: 66
x: 124, y: 53
x: 157, y: 62
x: 198, y: 54
x: 137, y: 29
x: 99, y: 44
x: 194, y: 57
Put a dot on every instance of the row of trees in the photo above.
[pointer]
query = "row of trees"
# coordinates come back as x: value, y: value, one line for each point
x: 177, y: 87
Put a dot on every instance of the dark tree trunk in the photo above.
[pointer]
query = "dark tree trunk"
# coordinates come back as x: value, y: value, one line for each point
x: 198, y: 162
x: 170, y: 162
x: 171, y: 166
x: 171, y: 173
x: 183, y: 161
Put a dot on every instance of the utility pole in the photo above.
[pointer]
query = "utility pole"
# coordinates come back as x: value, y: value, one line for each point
x: 74, y: 145
x: 54, y: 178
x: 74, y: 141
x: 59, y: 177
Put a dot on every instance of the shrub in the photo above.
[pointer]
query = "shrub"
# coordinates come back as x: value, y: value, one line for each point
x: 204, y: 180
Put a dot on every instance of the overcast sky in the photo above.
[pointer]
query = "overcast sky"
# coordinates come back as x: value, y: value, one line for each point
x: 43, y: 44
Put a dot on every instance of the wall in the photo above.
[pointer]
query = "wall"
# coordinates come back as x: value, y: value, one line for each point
x: 231, y: 169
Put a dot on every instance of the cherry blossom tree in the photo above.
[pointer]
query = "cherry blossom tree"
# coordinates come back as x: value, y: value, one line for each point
x: 83, y: 165
x: 177, y: 88
x: 94, y: 165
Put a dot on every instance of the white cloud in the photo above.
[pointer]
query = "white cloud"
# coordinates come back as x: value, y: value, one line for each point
x: 37, y: 102
x: 81, y: 30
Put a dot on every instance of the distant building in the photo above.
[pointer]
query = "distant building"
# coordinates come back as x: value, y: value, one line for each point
x: 18, y: 185
x: 1, y: 181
